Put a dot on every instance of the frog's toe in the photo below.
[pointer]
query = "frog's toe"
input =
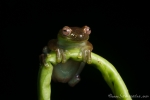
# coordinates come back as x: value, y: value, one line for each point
x: 60, y: 56
x: 87, y: 56
x: 74, y: 81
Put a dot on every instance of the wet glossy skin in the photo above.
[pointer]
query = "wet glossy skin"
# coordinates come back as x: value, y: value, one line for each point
x: 69, y: 38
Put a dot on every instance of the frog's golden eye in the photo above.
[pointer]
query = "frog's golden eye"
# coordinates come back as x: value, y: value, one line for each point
x: 66, y: 30
x: 87, y: 30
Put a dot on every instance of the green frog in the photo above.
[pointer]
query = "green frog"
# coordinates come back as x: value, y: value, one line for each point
x: 68, y: 71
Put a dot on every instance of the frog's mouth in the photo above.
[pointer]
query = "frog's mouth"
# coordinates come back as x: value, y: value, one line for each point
x: 80, y: 37
x: 74, y: 38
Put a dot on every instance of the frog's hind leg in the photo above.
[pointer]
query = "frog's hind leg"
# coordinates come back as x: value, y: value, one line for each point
x: 76, y: 77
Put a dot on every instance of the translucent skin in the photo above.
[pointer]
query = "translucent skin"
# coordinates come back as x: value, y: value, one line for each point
x: 69, y: 38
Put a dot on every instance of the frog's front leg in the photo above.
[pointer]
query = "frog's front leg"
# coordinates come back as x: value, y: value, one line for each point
x: 60, y: 56
x: 52, y: 46
x: 85, y: 52
x: 60, y: 53
x: 76, y: 77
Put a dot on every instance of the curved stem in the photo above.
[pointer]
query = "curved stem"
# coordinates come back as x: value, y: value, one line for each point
x: 112, y: 77
x: 109, y: 73
x: 44, y: 79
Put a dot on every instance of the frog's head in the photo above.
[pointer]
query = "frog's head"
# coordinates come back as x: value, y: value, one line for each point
x: 75, y: 33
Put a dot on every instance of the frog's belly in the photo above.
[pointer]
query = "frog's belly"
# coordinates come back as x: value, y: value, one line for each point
x: 63, y: 72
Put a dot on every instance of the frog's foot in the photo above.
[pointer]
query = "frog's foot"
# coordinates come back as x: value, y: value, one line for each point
x: 85, y: 53
x: 74, y: 81
x: 60, y: 56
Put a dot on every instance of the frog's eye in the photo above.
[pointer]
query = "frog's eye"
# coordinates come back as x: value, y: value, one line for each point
x: 66, y: 30
x: 87, y: 30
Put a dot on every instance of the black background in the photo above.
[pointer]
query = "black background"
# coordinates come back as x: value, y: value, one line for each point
x: 119, y: 34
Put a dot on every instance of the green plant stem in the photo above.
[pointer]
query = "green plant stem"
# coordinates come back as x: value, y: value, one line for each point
x: 110, y: 74
x: 44, y: 79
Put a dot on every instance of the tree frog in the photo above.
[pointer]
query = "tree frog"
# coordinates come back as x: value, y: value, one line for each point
x: 69, y: 38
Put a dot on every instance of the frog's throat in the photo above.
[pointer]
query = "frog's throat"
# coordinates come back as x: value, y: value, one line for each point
x: 68, y: 44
